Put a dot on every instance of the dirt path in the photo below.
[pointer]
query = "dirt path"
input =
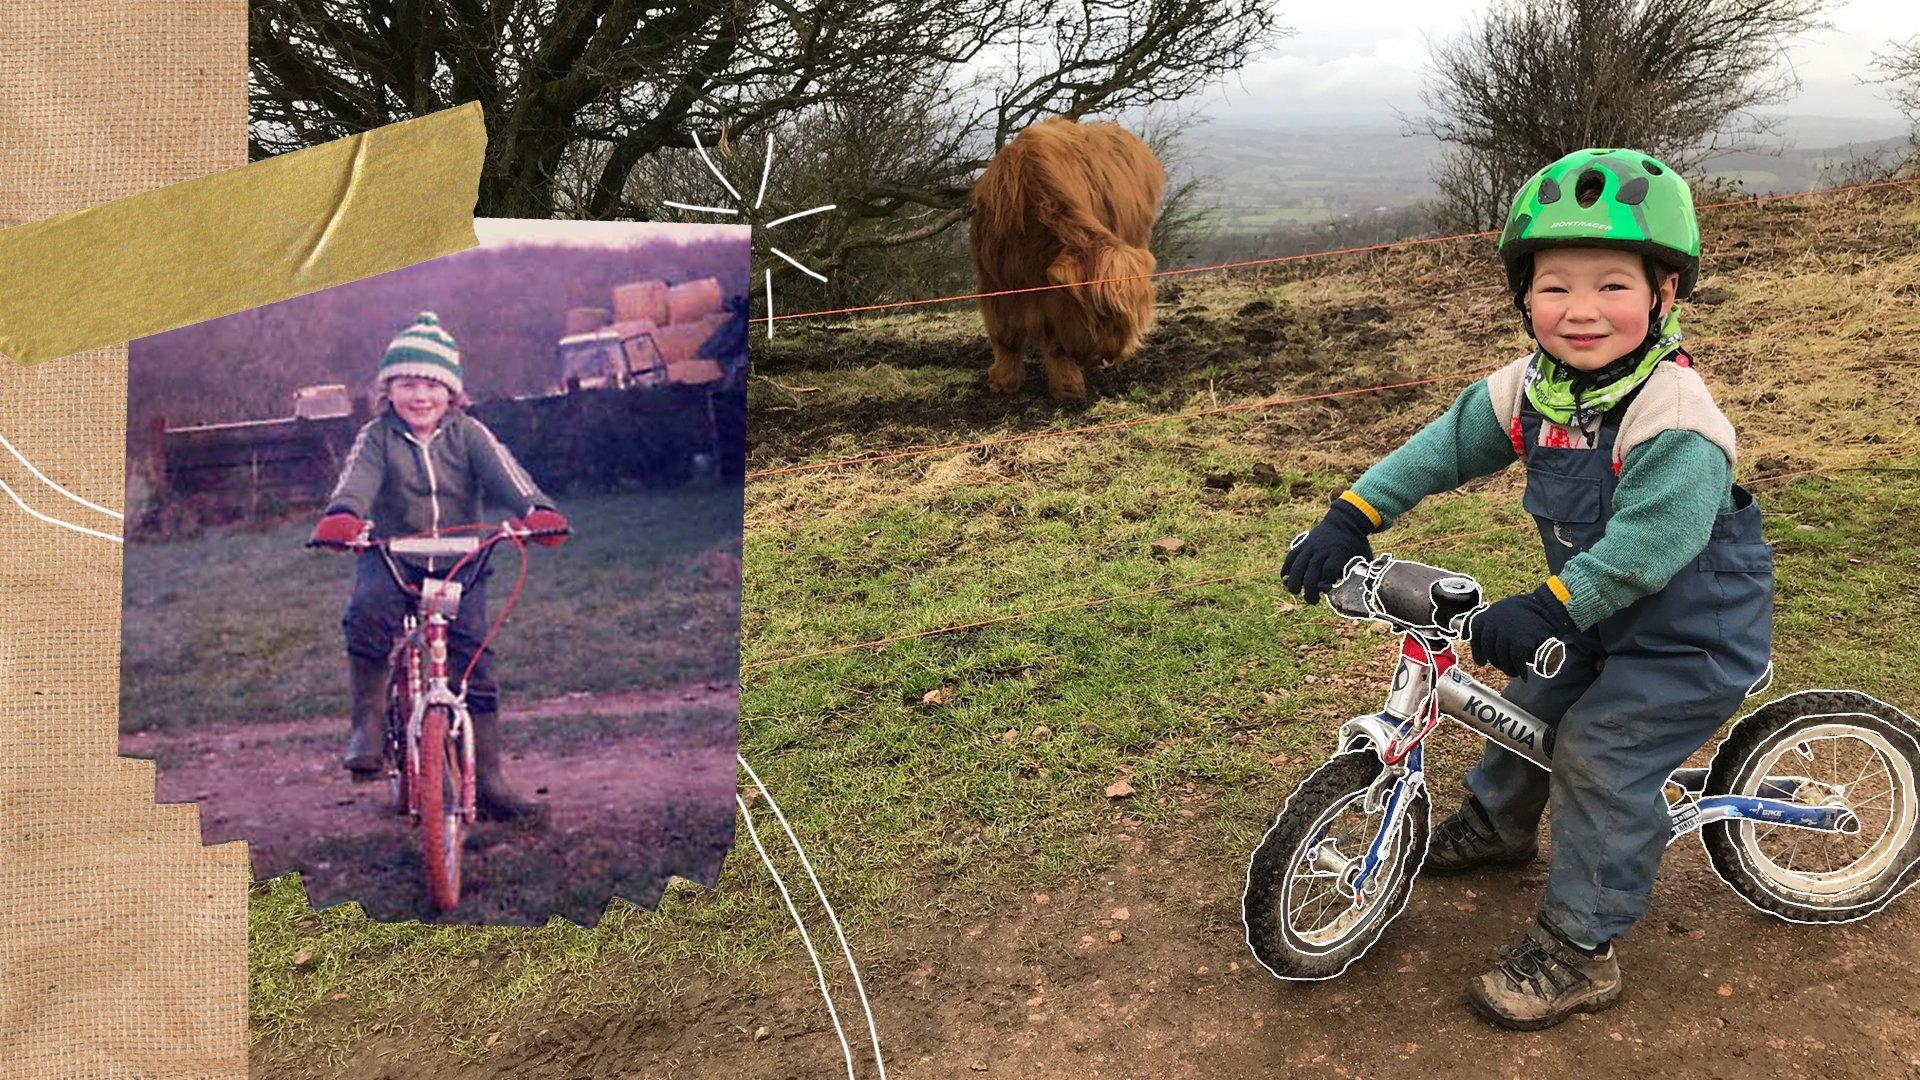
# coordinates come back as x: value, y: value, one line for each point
x: 636, y: 787
x: 1142, y: 972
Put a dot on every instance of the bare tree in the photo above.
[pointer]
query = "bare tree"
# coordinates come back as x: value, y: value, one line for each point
x: 1899, y: 71
x: 1532, y: 80
x: 580, y: 93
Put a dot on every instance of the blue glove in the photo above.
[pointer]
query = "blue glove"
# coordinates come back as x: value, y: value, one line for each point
x: 1316, y: 563
x: 1509, y: 632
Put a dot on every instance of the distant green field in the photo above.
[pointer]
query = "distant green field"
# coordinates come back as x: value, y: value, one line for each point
x: 1240, y: 218
x: 1751, y: 179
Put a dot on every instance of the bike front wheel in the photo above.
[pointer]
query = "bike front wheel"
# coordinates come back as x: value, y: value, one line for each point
x: 1303, y: 918
x: 1820, y: 748
x: 440, y: 812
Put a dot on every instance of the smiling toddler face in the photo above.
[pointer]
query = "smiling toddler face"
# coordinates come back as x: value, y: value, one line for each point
x: 420, y: 402
x: 1589, y: 306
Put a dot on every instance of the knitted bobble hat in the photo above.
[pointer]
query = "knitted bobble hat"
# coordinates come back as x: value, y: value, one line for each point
x: 424, y: 351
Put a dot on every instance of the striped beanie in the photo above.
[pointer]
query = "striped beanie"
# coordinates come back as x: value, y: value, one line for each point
x: 424, y: 351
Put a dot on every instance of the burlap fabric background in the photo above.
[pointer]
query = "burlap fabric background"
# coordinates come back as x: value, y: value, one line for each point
x: 122, y: 940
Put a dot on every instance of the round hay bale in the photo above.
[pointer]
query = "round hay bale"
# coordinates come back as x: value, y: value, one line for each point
x: 582, y: 319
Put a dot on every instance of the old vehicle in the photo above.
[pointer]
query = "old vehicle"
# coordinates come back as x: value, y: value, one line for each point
x: 323, y: 402
x: 652, y: 337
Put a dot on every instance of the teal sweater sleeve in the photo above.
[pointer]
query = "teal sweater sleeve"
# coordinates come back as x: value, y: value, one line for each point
x: 1671, y: 488
x: 1463, y: 443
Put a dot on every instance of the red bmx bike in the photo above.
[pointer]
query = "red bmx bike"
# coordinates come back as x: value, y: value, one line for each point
x: 428, y: 749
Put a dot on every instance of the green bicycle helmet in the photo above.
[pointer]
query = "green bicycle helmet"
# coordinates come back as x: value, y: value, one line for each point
x: 1604, y: 198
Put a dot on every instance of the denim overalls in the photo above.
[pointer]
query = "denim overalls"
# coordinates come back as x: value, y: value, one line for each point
x: 1640, y: 691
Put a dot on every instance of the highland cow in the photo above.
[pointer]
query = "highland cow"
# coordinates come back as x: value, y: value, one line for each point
x: 1066, y: 202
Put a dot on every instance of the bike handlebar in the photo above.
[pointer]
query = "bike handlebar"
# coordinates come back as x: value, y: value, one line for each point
x: 503, y: 532
x: 1438, y: 593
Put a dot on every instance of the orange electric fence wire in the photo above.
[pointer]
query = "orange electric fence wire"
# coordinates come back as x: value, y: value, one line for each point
x: 1302, y: 257
x: 1073, y: 605
x: 1139, y: 421
x: 864, y: 459
x: 977, y: 444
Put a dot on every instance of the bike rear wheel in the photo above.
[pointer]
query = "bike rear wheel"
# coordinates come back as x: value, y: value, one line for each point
x: 399, y: 711
x: 1820, y: 747
x: 440, y: 811
x: 1302, y: 919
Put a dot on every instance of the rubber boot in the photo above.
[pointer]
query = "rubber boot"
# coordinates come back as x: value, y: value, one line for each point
x: 368, y: 679
x: 492, y: 797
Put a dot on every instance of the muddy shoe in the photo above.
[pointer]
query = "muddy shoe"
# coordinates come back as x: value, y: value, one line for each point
x: 1467, y: 841
x: 1545, y: 979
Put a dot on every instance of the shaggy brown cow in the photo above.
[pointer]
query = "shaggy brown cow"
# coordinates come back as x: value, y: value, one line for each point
x: 1066, y: 202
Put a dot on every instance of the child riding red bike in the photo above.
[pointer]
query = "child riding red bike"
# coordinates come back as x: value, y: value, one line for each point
x: 422, y: 465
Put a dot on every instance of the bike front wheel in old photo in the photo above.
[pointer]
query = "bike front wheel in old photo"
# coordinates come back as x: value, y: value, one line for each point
x: 440, y: 814
x: 1304, y: 918
x: 1822, y: 748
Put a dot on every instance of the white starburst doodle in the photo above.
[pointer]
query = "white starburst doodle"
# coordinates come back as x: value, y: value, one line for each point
x: 766, y: 171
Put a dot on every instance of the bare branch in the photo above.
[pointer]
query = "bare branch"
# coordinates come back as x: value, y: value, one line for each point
x: 1532, y: 80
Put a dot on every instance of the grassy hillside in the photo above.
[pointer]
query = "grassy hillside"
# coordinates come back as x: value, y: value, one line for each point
x: 950, y: 776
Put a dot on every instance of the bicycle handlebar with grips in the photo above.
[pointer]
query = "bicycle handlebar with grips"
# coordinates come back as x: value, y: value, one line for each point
x: 1418, y: 598
x: 437, y: 546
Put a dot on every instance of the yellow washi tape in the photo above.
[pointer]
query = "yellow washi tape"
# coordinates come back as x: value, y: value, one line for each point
x: 279, y: 228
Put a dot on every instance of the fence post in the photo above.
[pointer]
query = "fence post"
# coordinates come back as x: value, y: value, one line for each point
x: 157, y: 459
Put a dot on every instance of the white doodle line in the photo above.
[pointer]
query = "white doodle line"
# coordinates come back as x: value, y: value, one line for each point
x: 760, y: 197
x: 795, y: 263
x: 724, y: 182
x: 766, y: 170
x: 43, y: 478
x: 702, y: 209
x: 819, y: 972
x: 846, y: 950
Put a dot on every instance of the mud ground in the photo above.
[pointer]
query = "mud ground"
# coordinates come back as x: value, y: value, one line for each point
x: 634, y: 794
x: 1142, y: 972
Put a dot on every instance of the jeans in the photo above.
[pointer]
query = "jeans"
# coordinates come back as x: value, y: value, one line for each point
x: 376, y: 611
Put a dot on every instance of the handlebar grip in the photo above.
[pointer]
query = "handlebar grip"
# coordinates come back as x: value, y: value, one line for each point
x: 1548, y: 659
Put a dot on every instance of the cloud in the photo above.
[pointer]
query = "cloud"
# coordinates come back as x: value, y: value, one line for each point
x: 1371, y: 59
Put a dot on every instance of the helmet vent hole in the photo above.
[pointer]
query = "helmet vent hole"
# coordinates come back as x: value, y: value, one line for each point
x: 1652, y: 166
x: 1549, y: 192
x: 1586, y: 191
x: 1633, y: 191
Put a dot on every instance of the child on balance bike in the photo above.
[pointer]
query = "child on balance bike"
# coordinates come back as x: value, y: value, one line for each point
x: 1661, y: 584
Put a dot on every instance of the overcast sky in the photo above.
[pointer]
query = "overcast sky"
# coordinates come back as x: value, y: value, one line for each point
x: 1366, y: 59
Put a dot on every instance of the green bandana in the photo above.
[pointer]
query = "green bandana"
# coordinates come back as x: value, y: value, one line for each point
x: 1550, y: 386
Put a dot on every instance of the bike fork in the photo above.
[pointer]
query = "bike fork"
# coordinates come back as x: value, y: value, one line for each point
x: 1402, y: 783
